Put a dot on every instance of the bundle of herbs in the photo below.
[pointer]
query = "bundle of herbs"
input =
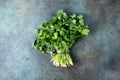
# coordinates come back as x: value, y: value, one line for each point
x: 56, y: 36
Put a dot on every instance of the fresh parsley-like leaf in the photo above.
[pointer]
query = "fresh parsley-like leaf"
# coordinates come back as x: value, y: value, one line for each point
x: 56, y: 36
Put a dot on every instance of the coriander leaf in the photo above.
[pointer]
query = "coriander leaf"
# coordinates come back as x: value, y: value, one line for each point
x: 56, y: 36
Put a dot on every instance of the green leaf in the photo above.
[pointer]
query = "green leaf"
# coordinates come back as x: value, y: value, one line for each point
x: 73, y: 16
x: 62, y: 33
x: 55, y: 35
x: 60, y: 12
x: 85, y: 32
x: 80, y: 16
x: 81, y: 21
x: 53, y: 19
x: 74, y: 21
x: 65, y: 16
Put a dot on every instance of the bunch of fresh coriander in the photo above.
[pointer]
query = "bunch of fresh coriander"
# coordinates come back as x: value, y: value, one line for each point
x: 56, y: 36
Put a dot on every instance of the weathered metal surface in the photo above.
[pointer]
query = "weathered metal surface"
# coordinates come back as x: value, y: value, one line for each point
x: 96, y: 57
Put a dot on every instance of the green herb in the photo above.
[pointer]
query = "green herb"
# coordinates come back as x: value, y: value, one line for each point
x: 56, y: 36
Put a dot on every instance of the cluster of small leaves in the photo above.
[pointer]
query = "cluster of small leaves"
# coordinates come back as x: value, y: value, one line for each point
x: 60, y: 33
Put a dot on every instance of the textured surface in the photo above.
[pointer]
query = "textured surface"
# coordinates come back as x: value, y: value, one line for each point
x: 96, y: 57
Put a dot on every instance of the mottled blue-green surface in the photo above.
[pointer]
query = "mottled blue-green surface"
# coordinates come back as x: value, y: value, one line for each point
x: 96, y: 57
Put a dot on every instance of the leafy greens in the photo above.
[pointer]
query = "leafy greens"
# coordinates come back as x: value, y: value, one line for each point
x: 56, y: 36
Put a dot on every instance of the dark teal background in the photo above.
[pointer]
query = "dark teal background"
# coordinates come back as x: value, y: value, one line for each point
x: 96, y: 57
